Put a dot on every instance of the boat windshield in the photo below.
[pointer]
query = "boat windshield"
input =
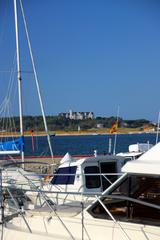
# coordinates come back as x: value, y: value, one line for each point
x: 64, y: 175
x: 136, y: 199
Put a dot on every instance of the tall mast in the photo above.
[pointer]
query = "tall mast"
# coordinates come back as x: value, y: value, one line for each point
x: 19, y: 76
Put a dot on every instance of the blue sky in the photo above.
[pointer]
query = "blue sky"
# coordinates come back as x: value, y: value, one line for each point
x: 91, y: 55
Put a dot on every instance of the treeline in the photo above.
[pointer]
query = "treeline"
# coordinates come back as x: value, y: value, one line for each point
x: 60, y: 123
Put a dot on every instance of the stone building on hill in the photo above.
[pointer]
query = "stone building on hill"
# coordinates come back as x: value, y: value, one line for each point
x: 77, y: 115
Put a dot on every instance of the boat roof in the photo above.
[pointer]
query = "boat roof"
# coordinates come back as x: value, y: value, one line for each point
x: 98, y: 158
x: 129, y: 154
x: 139, y: 147
x: 148, y: 163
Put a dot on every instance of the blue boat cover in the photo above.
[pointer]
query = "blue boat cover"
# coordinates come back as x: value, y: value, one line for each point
x: 13, y: 145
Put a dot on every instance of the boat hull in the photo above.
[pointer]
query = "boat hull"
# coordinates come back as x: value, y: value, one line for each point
x: 75, y: 227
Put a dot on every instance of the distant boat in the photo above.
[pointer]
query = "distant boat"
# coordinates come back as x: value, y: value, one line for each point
x: 52, y: 135
x: 135, y: 151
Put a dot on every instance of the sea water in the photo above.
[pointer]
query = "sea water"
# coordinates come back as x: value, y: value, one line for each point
x: 84, y: 144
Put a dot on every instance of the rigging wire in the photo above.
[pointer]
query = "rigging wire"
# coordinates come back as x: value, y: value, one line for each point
x: 36, y: 78
x: 8, y: 124
x: 3, y: 23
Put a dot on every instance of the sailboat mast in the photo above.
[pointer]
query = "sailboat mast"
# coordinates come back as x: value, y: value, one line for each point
x: 19, y: 76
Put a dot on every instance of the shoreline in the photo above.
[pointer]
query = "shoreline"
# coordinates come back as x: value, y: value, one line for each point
x: 42, y: 134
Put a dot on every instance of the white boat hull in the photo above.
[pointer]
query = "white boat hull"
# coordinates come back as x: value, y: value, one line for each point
x: 72, y: 227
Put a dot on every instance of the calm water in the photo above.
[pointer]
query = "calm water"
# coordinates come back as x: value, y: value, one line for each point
x: 77, y: 145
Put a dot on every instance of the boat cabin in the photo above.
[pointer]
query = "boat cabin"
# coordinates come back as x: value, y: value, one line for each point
x: 87, y: 175
x: 135, y: 196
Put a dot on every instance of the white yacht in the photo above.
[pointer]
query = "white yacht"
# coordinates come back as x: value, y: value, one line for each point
x: 128, y: 210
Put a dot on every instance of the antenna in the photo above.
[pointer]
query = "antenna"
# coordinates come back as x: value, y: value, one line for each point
x: 158, y: 127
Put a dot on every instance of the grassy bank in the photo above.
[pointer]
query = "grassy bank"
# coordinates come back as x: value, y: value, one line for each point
x: 82, y: 132
x: 96, y: 131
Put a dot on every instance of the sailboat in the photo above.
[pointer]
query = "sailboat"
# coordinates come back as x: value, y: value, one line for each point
x: 12, y: 147
x: 15, y: 146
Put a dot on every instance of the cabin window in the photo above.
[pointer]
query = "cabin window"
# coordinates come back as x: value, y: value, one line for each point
x: 65, y: 175
x: 136, y: 199
x: 92, y: 181
x: 109, y: 167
